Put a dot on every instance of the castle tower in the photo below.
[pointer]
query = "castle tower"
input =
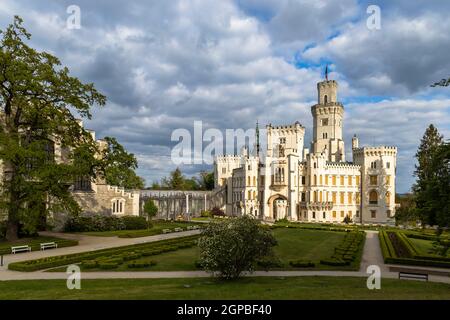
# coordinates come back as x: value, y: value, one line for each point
x: 328, y: 116
x: 355, y: 142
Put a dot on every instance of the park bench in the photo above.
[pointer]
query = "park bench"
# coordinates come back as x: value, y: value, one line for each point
x: 178, y: 229
x: 167, y: 231
x: 16, y: 249
x: 48, y: 245
x: 413, y: 275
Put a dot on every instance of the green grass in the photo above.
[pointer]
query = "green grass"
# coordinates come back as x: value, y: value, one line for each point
x: 157, y: 228
x: 424, y: 247
x: 208, y: 288
x: 293, y: 244
x: 34, y: 242
x: 305, y: 244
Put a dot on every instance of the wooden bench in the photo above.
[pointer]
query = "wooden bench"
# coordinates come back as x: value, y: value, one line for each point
x: 413, y: 275
x: 178, y: 229
x: 16, y: 249
x: 166, y: 231
x: 48, y: 245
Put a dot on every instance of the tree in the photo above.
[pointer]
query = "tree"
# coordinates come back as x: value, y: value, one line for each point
x: 176, y: 181
x: 150, y: 209
x: 426, y: 174
x: 205, y: 180
x: 37, y: 95
x: 231, y: 247
x: 120, y: 166
x: 406, y: 213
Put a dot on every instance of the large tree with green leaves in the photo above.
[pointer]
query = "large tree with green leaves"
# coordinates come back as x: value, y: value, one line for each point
x: 37, y: 96
x: 120, y: 166
x: 426, y: 171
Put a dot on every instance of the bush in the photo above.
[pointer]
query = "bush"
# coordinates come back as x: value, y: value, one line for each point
x: 134, y: 223
x: 99, y: 223
x: 230, y: 247
x: 89, y: 264
x: 141, y: 264
x: 108, y: 265
x: 269, y: 262
x: 334, y: 262
x: 217, y: 212
x: 206, y: 214
x: 301, y: 264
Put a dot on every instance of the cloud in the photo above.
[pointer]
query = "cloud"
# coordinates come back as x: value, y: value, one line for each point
x: 165, y: 64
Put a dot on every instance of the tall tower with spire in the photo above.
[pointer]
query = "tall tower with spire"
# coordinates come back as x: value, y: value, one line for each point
x: 328, y: 116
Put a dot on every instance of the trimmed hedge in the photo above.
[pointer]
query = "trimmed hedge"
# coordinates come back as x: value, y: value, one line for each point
x: 141, y: 264
x: 348, y: 252
x: 131, y: 251
x: 104, y: 223
x: 301, y: 264
x: 390, y: 256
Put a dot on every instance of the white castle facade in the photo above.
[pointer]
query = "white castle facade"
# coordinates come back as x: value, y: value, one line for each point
x: 318, y: 184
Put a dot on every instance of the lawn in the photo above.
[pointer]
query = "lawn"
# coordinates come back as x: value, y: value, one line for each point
x: 157, y: 228
x: 293, y: 244
x: 423, y: 247
x: 330, y: 288
x: 34, y: 242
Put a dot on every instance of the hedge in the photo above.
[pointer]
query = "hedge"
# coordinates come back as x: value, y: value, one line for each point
x: 301, y: 264
x: 141, y: 264
x: 390, y: 256
x: 348, y: 251
x: 124, y: 252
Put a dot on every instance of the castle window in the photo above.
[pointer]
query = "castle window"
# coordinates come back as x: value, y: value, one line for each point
x: 282, y: 140
x: 117, y: 206
x: 388, y: 165
x: 315, y: 165
x: 334, y: 214
x: 82, y: 184
x: 388, y: 213
x: 326, y: 179
x: 325, y: 99
x: 373, y: 180
x: 313, y: 215
x: 357, y: 198
x: 303, y: 197
x: 333, y: 180
x: 249, y: 167
x: 325, y: 122
x: 334, y: 197
x: 350, y: 198
x: 342, y: 180
x: 342, y: 197
x: 373, y: 165
x: 224, y: 170
x: 373, y: 214
x: 325, y: 135
x: 254, y: 181
x: 303, y: 180
x: 388, y: 180
x: 324, y: 215
x: 315, y: 180
x: 350, y: 180
x: 373, y: 197
x: 357, y: 213
x: 342, y: 214
x: 357, y: 180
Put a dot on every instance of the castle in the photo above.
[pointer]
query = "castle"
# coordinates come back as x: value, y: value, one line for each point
x: 291, y: 182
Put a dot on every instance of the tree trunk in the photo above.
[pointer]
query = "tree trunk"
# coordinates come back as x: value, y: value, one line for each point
x: 12, y: 230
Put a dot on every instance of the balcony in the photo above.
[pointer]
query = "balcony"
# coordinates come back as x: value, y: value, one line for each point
x: 317, y: 206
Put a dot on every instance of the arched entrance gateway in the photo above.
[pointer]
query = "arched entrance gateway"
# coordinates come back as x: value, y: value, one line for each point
x: 278, y: 207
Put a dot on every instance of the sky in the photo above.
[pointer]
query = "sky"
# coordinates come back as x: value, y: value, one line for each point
x: 165, y: 64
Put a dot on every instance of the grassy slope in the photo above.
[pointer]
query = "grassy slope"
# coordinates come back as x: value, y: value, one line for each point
x: 206, y: 288
x: 423, y: 246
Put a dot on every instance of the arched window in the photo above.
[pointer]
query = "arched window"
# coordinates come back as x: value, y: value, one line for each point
x: 118, y: 206
x: 373, y: 197
x: 388, y: 198
x: 254, y: 181
x: 315, y: 180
